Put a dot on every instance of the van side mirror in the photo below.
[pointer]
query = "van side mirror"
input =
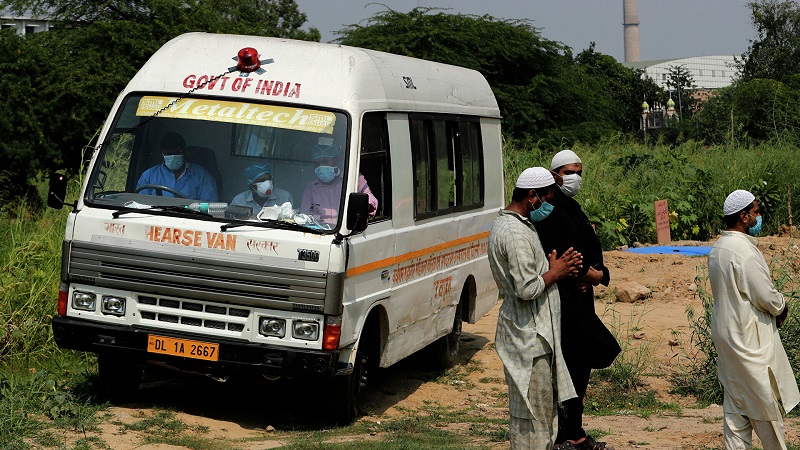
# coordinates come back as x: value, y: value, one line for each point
x: 357, y: 212
x: 57, y: 190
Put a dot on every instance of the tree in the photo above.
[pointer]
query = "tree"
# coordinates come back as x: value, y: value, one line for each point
x: 60, y: 85
x: 775, y: 53
x: 541, y: 91
x: 681, y: 82
x: 620, y: 89
x: 754, y: 110
x: 517, y: 62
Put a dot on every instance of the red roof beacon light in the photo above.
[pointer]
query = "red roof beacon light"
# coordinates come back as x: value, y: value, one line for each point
x: 248, y: 60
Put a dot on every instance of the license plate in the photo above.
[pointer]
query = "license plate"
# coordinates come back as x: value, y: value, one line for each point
x: 182, y: 347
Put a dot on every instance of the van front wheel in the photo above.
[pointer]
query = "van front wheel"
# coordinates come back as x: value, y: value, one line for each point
x: 444, y: 351
x: 345, y: 390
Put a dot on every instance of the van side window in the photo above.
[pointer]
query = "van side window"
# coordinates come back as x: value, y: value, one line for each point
x: 374, y: 164
x: 447, y: 154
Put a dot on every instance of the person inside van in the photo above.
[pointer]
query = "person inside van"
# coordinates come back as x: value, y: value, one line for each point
x: 176, y: 174
x: 322, y: 195
x: 261, y: 191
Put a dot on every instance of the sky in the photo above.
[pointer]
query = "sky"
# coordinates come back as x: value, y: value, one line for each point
x: 668, y: 29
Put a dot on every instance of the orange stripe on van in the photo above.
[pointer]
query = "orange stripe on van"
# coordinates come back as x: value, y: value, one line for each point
x: 387, y: 262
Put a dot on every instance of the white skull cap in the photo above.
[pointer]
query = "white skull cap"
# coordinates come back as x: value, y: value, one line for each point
x: 535, y: 177
x: 737, y: 201
x: 563, y: 158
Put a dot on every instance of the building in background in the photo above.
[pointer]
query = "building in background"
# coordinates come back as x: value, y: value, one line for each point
x: 709, y: 72
x: 24, y: 25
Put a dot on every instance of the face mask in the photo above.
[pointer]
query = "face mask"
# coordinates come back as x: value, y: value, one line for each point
x: 173, y: 162
x: 572, y: 184
x: 542, y: 212
x: 326, y: 173
x: 264, y: 188
x: 755, y: 229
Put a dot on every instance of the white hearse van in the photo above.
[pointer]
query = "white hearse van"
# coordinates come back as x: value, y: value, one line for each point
x: 165, y: 268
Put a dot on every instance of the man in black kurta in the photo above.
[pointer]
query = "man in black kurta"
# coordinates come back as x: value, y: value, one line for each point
x: 586, y: 342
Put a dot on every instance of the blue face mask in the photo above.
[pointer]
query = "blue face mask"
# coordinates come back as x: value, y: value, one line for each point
x: 542, y: 211
x: 173, y: 162
x: 755, y: 229
x: 326, y: 173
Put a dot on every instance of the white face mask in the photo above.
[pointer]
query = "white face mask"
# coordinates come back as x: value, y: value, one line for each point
x: 264, y: 188
x: 572, y: 184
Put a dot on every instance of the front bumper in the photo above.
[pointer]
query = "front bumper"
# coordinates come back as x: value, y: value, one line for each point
x: 236, y: 358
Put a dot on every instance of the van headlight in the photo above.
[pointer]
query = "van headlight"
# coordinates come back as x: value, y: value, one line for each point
x: 113, y: 305
x: 272, y: 326
x: 83, y: 300
x: 308, y: 331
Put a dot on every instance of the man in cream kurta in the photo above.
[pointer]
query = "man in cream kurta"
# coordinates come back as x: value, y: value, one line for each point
x: 528, y: 326
x: 759, y: 385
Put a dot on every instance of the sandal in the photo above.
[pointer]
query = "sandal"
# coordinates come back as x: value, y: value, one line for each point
x: 590, y: 444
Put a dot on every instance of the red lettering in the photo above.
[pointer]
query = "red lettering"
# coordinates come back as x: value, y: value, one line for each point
x: 295, y: 92
x: 266, y: 88
x: 247, y: 82
x: 188, y: 82
x: 278, y: 88
x: 237, y: 84
x: 230, y: 242
x: 187, y: 238
x: 212, y: 82
x: 202, y: 81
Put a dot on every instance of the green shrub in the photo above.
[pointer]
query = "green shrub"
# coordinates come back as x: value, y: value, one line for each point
x: 622, y: 180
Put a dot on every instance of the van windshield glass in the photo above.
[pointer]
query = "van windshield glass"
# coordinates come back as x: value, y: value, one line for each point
x: 237, y: 161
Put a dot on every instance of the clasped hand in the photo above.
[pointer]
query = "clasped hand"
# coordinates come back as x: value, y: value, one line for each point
x: 567, y: 265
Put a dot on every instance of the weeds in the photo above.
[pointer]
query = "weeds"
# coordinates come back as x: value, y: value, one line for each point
x: 618, y: 388
x: 636, y: 357
x: 697, y: 364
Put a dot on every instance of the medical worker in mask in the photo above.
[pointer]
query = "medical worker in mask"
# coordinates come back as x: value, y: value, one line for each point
x: 323, y: 194
x: 261, y: 191
x: 586, y: 342
x: 176, y: 174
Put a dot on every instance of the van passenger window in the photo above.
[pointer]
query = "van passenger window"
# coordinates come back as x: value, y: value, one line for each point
x: 447, y: 154
x: 421, y: 157
x: 374, y: 164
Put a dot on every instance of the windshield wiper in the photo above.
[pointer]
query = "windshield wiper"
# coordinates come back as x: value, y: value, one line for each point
x: 272, y: 224
x: 170, y: 208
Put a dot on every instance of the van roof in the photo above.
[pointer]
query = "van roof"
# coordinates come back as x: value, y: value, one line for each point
x: 314, y: 74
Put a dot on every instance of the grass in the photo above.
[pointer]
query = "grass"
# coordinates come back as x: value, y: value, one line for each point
x: 46, y: 393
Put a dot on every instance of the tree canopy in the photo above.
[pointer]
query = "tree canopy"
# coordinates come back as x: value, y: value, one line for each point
x: 775, y: 53
x: 764, y: 102
x: 58, y: 86
x: 543, y: 92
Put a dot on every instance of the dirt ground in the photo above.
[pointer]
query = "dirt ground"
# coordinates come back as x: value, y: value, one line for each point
x: 229, y: 414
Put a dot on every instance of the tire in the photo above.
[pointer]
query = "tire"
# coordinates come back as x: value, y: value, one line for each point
x: 119, y: 379
x: 345, y: 391
x: 443, y: 352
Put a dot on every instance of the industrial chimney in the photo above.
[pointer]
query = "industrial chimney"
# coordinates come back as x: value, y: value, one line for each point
x: 631, y: 26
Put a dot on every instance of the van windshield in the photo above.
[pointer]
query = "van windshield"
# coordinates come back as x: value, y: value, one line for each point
x: 237, y: 161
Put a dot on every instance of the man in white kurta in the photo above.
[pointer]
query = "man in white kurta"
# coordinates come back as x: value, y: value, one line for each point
x: 528, y: 338
x: 759, y: 385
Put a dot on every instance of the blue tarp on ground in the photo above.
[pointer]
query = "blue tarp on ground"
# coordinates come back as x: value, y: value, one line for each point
x: 688, y: 250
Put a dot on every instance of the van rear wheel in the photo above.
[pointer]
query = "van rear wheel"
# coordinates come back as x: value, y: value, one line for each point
x: 444, y: 351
